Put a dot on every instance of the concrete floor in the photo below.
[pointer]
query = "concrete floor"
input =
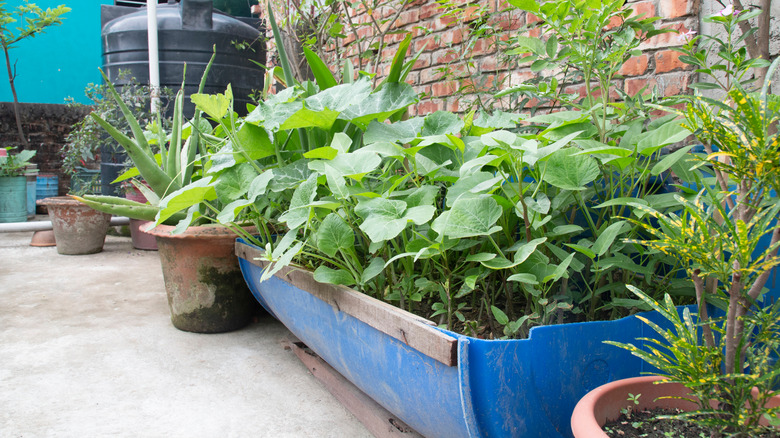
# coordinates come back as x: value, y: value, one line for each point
x: 87, y: 350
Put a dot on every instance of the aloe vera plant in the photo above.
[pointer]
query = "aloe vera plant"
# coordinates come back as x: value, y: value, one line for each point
x: 162, y: 173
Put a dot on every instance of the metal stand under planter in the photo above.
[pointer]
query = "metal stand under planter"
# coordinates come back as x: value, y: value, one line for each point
x: 440, y: 383
x: 206, y: 292
x: 78, y: 229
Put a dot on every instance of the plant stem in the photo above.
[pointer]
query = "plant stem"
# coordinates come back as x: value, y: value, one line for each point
x: 11, y: 77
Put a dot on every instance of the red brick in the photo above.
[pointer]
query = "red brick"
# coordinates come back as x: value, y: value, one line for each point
x: 430, y: 75
x: 668, y: 60
x: 444, y: 89
x: 422, y: 62
x: 444, y: 56
x: 444, y: 22
x: 635, y: 66
x: 407, y: 17
x: 669, y: 39
x: 644, y: 9
x: 429, y: 10
x: 452, y: 36
x: 430, y: 43
x: 484, y: 46
x: 675, y: 8
x: 452, y: 106
x: 429, y: 106
x: 365, y: 31
x: 491, y: 64
x: 531, y: 18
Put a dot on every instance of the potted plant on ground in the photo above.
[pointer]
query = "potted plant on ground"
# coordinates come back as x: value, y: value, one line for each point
x: 720, y: 358
x: 13, y: 185
x: 205, y: 290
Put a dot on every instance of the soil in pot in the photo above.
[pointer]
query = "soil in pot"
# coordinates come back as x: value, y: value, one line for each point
x: 643, y: 423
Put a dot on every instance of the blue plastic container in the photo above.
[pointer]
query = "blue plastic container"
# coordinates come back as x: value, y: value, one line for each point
x: 515, y: 388
x: 47, y: 186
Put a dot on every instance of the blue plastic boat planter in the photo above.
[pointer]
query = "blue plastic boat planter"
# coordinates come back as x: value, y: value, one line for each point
x: 440, y: 383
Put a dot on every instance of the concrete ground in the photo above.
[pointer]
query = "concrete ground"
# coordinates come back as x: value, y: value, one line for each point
x: 87, y: 350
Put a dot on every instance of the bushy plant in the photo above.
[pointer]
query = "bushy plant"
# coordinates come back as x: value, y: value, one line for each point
x: 727, y: 237
x: 87, y: 138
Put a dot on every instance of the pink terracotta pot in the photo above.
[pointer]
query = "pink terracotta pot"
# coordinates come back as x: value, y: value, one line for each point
x: 206, y: 290
x: 140, y: 238
x: 604, y: 403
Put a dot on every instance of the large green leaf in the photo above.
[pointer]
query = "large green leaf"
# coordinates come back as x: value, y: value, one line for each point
x: 441, y: 123
x: 214, y: 105
x: 300, y: 204
x: 607, y: 237
x: 340, y: 97
x: 307, y: 118
x: 324, y: 274
x: 334, y: 234
x: 289, y: 176
x: 321, y: 72
x: 468, y: 218
x: 381, y: 104
x: 383, y: 219
x: 259, y: 185
x: 569, y: 171
x: 234, y: 182
x: 474, y: 185
x: 400, y: 132
x: 354, y: 165
x: 669, y: 160
x: 182, y: 199
x: 666, y: 134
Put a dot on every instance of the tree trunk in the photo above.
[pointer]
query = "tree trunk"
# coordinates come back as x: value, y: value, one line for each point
x: 11, y: 76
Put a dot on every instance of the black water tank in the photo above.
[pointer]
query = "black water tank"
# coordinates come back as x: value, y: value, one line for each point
x: 188, y: 32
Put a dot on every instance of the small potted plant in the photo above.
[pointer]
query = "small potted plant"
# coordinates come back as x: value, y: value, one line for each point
x: 206, y: 292
x: 13, y: 185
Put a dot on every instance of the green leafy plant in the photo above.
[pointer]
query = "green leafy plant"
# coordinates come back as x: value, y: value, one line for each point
x: 32, y: 21
x: 87, y: 137
x: 489, y: 224
x: 727, y: 237
x: 14, y: 165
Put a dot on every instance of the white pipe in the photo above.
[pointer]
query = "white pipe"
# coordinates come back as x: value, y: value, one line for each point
x: 154, y: 55
x: 21, y: 227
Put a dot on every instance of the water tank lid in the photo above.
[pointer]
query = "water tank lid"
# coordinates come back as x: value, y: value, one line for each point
x: 169, y: 17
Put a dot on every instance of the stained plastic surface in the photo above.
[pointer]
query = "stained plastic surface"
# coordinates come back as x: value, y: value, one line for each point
x: 516, y: 388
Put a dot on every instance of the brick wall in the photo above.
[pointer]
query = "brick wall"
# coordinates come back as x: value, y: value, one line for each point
x: 46, y: 126
x: 446, y: 44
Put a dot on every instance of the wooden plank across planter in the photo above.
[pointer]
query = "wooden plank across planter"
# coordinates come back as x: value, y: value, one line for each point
x: 378, y: 420
x: 416, y: 332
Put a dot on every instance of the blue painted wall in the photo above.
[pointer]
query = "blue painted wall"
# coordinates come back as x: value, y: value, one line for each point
x: 61, y: 62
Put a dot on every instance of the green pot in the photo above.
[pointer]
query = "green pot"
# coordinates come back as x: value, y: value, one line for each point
x: 13, y: 199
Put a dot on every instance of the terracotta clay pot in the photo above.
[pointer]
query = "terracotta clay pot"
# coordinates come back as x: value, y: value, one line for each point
x: 604, y: 403
x: 140, y: 238
x: 78, y: 229
x: 206, y: 291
